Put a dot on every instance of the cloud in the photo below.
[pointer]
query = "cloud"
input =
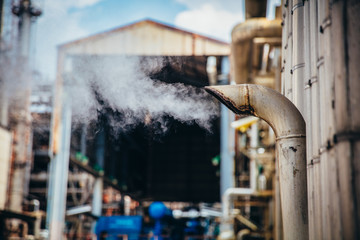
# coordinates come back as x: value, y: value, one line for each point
x: 212, y: 18
x: 84, y: 3
x: 231, y: 6
x: 58, y: 25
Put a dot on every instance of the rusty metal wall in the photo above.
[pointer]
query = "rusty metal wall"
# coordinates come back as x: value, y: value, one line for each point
x: 320, y: 74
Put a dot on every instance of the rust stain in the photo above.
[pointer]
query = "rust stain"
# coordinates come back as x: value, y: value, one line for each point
x: 293, y: 149
x: 295, y: 171
x: 246, y: 109
x: 247, y: 96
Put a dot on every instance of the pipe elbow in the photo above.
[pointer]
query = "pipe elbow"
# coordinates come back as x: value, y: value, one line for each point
x: 250, y: 99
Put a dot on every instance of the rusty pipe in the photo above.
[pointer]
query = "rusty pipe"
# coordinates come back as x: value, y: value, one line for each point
x: 289, y: 127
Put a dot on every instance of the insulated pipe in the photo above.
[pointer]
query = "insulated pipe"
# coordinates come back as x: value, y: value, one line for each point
x: 231, y: 192
x: 289, y: 127
x: 226, y: 227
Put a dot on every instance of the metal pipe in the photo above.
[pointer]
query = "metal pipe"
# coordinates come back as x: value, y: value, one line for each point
x: 59, y: 169
x: 289, y: 127
x: 246, y: 222
x: 242, y: 233
x: 226, y: 224
x: 226, y: 228
x: 227, y: 138
x: 231, y: 192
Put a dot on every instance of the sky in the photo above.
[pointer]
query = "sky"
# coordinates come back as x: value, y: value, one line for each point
x: 67, y: 20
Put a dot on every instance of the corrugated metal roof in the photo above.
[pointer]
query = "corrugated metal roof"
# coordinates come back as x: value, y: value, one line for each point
x: 137, y: 24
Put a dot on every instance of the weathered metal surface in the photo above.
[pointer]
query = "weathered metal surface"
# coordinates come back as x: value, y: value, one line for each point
x: 291, y: 154
x: 245, y: 37
x: 346, y: 82
x: 289, y: 128
x: 257, y: 27
x: 250, y: 99
x: 331, y: 34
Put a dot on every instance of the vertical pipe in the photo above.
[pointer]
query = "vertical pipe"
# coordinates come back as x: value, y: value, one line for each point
x: 254, y: 143
x: 25, y: 32
x: 353, y: 53
x: 325, y: 214
x: 298, y: 64
x: 346, y: 56
x: 98, y: 187
x: 294, y: 215
x: 315, y: 120
x: 333, y: 191
x: 289, y: 49
x: 227, y: 140
x: 97, y: 197
x: 343, y: 121
x: 330, y: 198
x: 330, y: 164
x: 59, y: 152
x: 21, y: 113
x: 226, y: 150
x: 308, y: 117
x: 59, y: 168
x: 325, y: 201
x: 227, y: 146
x: 284, y: 87
x: 284, y: 49
x: 289, y: 127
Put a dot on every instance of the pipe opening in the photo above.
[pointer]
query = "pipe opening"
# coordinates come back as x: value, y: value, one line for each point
x: 244, y: 109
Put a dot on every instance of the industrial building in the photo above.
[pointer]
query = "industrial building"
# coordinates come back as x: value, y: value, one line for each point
x: 176, y: 167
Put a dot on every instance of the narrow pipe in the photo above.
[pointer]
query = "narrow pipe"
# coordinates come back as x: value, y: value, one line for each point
x: 289, y: 127
x: 231, y: 192
x: 227, y: 229
x: 242, y: 233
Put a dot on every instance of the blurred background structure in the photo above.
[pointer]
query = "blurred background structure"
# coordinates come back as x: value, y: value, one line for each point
x: 72, y: 167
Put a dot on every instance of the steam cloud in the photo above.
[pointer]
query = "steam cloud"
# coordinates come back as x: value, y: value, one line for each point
x: 123, y: 85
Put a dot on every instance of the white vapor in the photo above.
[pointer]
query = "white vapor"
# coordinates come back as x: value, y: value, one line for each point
x: 124, y: 86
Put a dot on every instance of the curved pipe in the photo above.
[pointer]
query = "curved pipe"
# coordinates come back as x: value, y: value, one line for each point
x: 226, y: 226
x: 289, y: 127
x: 242, y: 233
x: 232, y: 192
